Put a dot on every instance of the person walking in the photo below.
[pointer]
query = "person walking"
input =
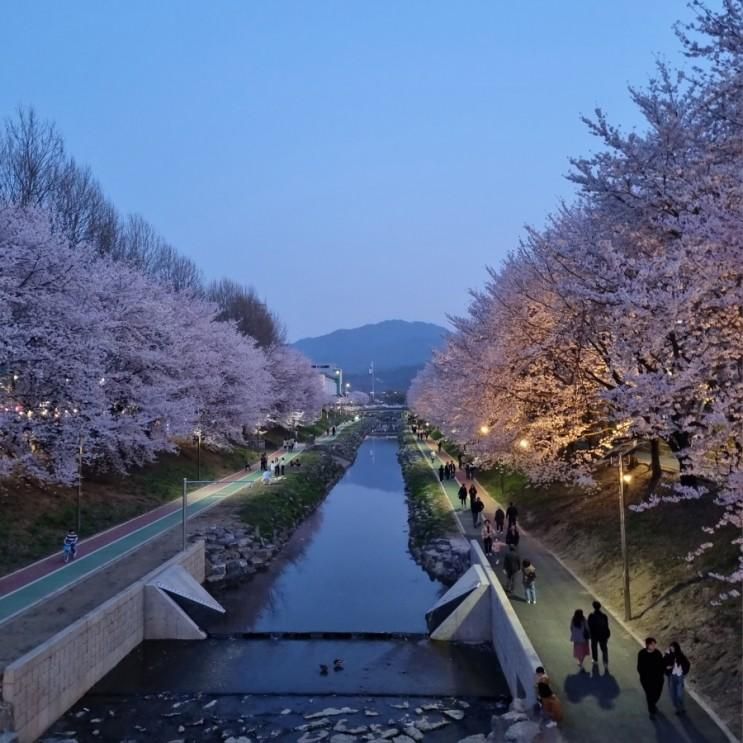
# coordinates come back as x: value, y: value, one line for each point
x: 512, y: 514
x: 529, y: 579
x: 441, y: 473
x: 472, y: 491
x: 677, y: 666
x: 651, y: 669
x: 579, y: 636
x: 459, y: 459
x: 487, y: 537
x: 440, y: 446
x: 473, y: 509
x: 463, y: 495
x: 551, y: 707
x: 511, y: 566
x: 598, y: 626
x: 467, y: 471
x: 480, y: 508
x: 513, y: 536
x: 500, y: 518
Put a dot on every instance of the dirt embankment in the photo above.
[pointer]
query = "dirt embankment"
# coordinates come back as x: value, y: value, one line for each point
x: 672, y: 599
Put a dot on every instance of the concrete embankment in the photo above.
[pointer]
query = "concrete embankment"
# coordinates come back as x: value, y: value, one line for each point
x: 41, y: 685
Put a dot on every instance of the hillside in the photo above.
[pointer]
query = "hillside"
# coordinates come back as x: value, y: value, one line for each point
x: 397, y: 347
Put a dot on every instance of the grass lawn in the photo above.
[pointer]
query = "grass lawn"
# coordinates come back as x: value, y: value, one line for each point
x: 434, y: 517
x: 34, y: 518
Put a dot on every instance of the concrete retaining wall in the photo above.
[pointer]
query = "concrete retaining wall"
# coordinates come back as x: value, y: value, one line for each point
x: 43, y: 684
x: 516, y: 654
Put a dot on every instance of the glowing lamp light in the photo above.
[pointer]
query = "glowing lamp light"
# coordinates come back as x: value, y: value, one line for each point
x: 524, y: 444
x: 627, y: 478
x: 484, y: 430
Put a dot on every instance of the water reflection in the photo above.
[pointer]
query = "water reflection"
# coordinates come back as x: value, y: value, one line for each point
x: 347, y: 568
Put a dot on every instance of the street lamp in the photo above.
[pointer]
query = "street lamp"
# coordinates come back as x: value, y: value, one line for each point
x: 623, y: 536
x: 484, y: 430
x: 197, y: 440
x: 79, y: 482
x: 524, y: 444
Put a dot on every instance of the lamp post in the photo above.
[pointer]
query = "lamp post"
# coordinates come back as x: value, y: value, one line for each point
x: 79, y: 482
x: 623, y: 536
x: 197, y: 437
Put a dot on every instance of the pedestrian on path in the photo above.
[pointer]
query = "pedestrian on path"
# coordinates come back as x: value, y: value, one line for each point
x: 467, y: 471
x: 440, y: 446
x: 529, y: 579
x: 513, y: 536
x: 579, y: 636
x: 551, y: 707
x: 441, y: 473
x: 333, y: 430
x: 463, y: 495
x: 487, y: 537
x: 651, y: 669
x: 511, y: 566
x: 677, y: 667
x: 459, y: 459
x: 473, y: 509
x: 598, y: 626
x: 499, y: 519
x: 472, y: 492
x: 512, y: 513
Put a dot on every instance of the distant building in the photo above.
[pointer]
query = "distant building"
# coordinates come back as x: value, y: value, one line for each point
x: 329, y: 385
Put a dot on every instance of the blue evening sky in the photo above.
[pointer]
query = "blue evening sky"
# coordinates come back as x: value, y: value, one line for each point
x: 353, y: 161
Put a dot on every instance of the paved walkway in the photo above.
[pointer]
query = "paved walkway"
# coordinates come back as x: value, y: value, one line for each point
x: 600, y: 705
x: 25, y: 587
x: 34, y: 583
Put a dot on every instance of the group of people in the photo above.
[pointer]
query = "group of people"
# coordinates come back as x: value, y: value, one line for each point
x: 330, y: 431
x: 588, y: 635
x: 447, y: 471
x: 476, y: 507
x: 289, y: 444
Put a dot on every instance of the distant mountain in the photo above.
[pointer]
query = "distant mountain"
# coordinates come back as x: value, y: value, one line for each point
x: 397, y: 347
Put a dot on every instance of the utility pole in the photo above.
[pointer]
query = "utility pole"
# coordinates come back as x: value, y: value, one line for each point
x: 183, y: 513
x: 371, y: 371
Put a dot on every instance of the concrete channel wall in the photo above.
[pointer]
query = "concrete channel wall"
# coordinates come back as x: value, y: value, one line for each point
x: 43, y: 684
x: 516, y: 654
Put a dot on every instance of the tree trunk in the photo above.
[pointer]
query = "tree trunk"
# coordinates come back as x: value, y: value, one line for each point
x: 655, y: 460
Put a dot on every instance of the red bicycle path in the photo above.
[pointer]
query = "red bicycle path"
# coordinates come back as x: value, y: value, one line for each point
x: 47, y: 565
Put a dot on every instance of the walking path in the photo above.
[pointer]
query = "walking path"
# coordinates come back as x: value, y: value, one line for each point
x: 25, y: 587
x: 602, y: 705
x: 34, y: 583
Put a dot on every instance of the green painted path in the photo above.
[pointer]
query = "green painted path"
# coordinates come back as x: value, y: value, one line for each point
x: 114, y: 543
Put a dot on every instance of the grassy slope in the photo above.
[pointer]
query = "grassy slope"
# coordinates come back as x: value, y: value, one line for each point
x: 34, y: 518
x: 670, y: 597
x: 434, y: 517
x: 281, y: 505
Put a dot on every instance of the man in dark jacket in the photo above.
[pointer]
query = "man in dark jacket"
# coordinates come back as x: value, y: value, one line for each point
x: 598, y: 626
x: 651, y: 668
x: 511, y: 566
x: 500, y: 517
x: 512, y: 514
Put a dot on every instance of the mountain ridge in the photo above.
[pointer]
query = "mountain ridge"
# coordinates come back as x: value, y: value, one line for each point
x: 399, y: 346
